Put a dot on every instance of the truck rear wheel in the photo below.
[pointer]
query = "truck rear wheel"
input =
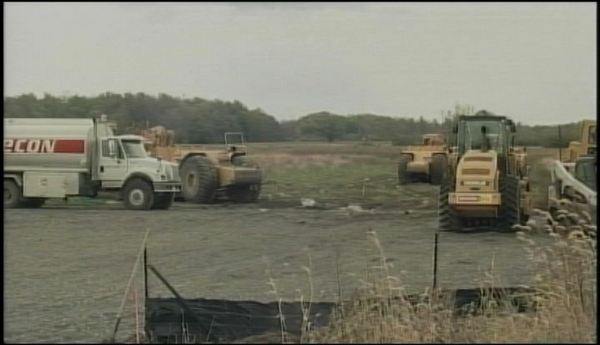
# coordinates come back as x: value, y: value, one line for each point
x: 162, y: 201
x: 447, y: 218
x: 438, y: 169
x: 510, y: 210
x: 138, y: 195
x: 199, y: 180
x: 13, y: 196
x: 402, y: 165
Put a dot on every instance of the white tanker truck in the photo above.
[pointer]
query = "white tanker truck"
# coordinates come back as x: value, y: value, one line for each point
x: 58, y: 158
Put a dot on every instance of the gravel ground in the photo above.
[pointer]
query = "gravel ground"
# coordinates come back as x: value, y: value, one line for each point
x: 67, y: 265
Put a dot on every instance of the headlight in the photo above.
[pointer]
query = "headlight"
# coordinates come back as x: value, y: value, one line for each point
x: 475, y: 183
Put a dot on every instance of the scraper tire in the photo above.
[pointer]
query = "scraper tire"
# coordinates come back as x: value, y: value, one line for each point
x: 199, y: 180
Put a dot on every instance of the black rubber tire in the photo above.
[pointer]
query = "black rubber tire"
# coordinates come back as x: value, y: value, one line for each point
x: 510, y: 209
x: 403, y: 177
x: 138, y: 195
x: 162, y: 201
x: 438, y: 169
x: 447, y: 218
x: 199, y: 180
x: 33, y: 202
x: 13, y: 195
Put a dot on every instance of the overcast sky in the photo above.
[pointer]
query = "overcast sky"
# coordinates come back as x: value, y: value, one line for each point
x: 535, y: 62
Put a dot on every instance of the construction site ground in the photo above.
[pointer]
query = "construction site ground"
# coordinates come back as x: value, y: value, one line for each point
x: 68, y: 263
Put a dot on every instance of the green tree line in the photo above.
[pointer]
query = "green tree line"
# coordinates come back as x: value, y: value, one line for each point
x: 197, y: 120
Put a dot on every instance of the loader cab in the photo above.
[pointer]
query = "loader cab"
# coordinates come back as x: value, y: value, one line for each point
x: 234, y: 141
x: 590, y: 132
x: 586, y: 171
x: 486, y: 132
x: 482, y: 132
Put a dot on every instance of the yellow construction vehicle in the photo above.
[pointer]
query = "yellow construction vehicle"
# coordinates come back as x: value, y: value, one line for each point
x: 206, y: 174
x: 487, y: 179
x: 586, y: 145
x: 427, y: 162
x: 574, y: 179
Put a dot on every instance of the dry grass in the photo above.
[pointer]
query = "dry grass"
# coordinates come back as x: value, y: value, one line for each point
x: 566, y: 276
x: 286, y: 160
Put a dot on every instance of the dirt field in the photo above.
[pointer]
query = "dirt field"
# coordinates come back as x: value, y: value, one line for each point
x: 67, y: 264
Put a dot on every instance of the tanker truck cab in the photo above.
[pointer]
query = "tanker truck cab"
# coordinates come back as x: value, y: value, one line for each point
x: 125, y: 154
x: 125, y: 165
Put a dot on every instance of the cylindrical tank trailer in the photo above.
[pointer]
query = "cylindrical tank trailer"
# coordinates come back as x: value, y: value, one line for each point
x: 57, y: 158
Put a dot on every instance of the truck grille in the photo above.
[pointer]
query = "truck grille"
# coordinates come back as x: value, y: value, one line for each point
x: 478, y: 159
x: 475, y: 171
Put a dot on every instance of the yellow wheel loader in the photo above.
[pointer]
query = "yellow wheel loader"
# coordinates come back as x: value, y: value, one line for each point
x: 574, y: 179
x: 427, y: 162
x: 586, y: 145
x: 208, y: 174
x: 487, y: 179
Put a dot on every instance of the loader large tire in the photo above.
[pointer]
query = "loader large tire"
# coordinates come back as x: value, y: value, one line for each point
x: 438, y: 169
x: 13, y: 196
x: 403, y: 177
x: 138, y: 195
x: 199, y: 180
x: 510, y: 209
x: 447, y: 218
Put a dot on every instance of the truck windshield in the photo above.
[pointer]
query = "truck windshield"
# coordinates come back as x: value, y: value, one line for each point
x: 478, y: 135
x: 592, y: 135
x: 134, y: 148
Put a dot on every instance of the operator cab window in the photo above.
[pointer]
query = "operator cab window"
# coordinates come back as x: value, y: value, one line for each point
x: 479, y: 134
x: 585, y: 172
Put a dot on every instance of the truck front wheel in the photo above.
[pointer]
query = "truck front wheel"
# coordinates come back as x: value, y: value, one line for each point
x: 13, y: 196
x: 138, y: 195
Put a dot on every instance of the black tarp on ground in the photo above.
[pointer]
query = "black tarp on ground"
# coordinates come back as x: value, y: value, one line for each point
x: 216, y: 320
